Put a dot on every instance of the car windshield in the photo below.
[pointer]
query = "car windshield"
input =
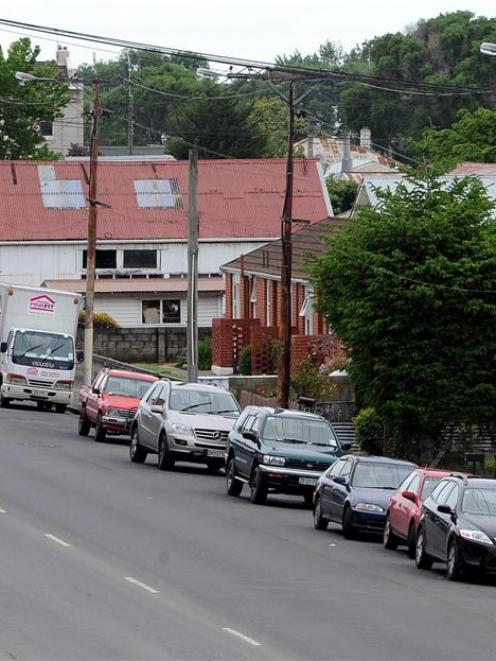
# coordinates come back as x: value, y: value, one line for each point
x: 379, y: 475
x: 480, y: 502
x: 39, y: 349
x: 121, y: 385
x: 429, y: 484
x: 299, y: 429
x: 218, y: 402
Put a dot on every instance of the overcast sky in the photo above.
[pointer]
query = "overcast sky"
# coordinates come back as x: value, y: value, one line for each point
x: 258, y: 29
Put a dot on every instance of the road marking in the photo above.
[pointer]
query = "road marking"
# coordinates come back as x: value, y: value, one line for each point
x: 146, y: 587
x: 332, y: 544
x: 242, y: 636
x: 2, y: 511
x: 57, y: 540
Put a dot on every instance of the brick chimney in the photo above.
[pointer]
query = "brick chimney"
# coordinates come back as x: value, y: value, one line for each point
x: 365, y: 137
x: 62, y: 56
x: 346, y: 160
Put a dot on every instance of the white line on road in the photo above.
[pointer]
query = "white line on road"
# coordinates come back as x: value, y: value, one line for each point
x: 2, y: 511
x: 57, y: 540
x: 146, y: 587
x: 233, y: 632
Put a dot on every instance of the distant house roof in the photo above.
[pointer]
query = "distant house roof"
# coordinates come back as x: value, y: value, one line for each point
x: 330, y: 151
x: 138, y: 285
x: 237, y: 199
x: 266, y: 260
x: 479, y: 169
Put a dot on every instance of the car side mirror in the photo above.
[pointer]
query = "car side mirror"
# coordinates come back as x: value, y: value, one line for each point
x: 445, y: 509
x: 346, y: 447
x: 340, y: 479
x: 250, y: 436
x: 157, y: 408
x: 79, y: 356
x: 95, y: 391
x: 3, y: 347
x: 409, y: 495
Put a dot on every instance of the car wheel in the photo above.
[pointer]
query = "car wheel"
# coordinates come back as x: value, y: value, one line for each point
x: 100, y: 431
x: 454, y: 564
x: 389, y: 539
x: 60, y: 408
x: 348, y: 529
x: 165, y: 461
x: 137, y: 453
x: 318, y: 522
x: 83, y: 424
x: 214, y: 465
x: 422, y: 560
x: 233, y: 486
x: 412, y: 540
x: 259, y: 488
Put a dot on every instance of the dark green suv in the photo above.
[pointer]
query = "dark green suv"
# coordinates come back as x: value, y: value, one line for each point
x: 279, y: 451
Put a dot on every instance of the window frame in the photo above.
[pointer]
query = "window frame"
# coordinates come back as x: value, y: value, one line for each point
x: 140, y: 251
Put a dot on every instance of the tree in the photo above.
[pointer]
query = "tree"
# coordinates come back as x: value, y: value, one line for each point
x: 410, y: 287
x: 218, y: 125
x: 342, y: 194
x: 22, y: 107
x: 270, y: 115
x: 471, y: 138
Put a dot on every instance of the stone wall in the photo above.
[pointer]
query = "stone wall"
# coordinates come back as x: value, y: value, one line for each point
x: 141, y: 345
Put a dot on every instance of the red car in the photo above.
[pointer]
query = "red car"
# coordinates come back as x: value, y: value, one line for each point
x: 405, y: 507
x: 110, y: 403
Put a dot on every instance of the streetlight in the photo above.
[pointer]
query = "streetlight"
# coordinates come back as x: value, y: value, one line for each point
x: 24, y: 78
x: 488, y: 48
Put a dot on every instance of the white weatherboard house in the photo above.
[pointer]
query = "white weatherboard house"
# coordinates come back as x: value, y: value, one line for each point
x: 141, y: 255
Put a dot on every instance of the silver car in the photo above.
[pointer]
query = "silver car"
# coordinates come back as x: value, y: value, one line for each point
x: 183, y: 422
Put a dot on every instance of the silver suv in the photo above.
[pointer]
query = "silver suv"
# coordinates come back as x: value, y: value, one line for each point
x: 183, y: 422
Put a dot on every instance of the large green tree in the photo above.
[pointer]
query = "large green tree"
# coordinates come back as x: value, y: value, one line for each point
x: 410, y: 287
x: 22, y: 107
x: 471, y: 138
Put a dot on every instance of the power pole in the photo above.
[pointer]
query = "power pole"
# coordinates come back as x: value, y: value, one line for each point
x: 284, y: 376
x: 130, y: 108
x: 91, y: 247
x: 192, y: 302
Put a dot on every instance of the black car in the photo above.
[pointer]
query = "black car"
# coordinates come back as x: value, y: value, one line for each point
x: 356, y: 491
x: 458, y: 526
x: 280, y: 451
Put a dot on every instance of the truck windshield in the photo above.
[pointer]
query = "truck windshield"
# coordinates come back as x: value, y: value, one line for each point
x: 50, y: 350
x: 119, y: 385
x: 302, y: 430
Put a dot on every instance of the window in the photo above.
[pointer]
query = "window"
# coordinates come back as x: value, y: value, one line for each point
x: 120, y: 385
x: 480, y: 502
x: 452, y: 499
x: 346, y: 470
x: 414, y: 485
x: 150, y: 312
x: 60, y: 193
x: 437, y: 494
x: 46, y: 128
x: 158, y: 193
x: 405, y: 485
x: 445, y: 494
x: 248, y: 423
x: 171, y: 311
x: 140, y: 259
x: 104, y: 259
x: 429, y: 484
x: 299, y: 429
x: 379, y: 475
x: 151, y: 393
x: 335, y: 469
x: 202, y: 401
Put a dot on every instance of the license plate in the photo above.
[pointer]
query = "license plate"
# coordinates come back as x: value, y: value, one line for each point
x: 216, y: 454
x: 39, y: 393
x: 308, y: 481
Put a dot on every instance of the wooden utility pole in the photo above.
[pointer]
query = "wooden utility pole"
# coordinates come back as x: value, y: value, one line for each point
x: 284, y: 376
x: 192, y: 303
x: 91, y: 248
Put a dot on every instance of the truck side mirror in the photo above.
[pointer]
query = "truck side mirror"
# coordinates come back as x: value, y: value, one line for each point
x: 79, y: 356
x: 95, y: 391
x: 3, y: 347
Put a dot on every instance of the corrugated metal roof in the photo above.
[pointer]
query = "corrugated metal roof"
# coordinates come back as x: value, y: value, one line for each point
x: 138, y: 285
x: 480, y: 169
x: 331, y: 151
x: 307, y: 241
x: 236, y: 199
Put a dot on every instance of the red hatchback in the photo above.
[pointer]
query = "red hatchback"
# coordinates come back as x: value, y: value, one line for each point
x: 405, y: 507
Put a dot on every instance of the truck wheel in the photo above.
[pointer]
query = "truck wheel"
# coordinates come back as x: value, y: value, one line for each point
x: 100, y: 431
x: 259, y: 488
x: 60, y: 408
x: 83, y: 424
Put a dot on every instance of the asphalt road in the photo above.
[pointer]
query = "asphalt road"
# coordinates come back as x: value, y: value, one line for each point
x: 103, y: 559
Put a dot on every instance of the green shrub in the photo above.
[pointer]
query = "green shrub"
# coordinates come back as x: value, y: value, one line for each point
x: 369, y: 431
x: 100, y: 320
x: 244, y: 360
x: 205, y: 353
x: 276, y: 354
x: 308, y: 381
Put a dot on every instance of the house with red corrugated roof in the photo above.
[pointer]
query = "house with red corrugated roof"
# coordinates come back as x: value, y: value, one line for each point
x: 141, y: 257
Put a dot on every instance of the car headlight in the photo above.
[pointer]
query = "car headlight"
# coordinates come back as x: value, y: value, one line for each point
x: 475, y: 536
x: 178, y: 428
x: 368, y: 507
x: 63, y: 385
x: 273, y: 461
x: 17, y: 379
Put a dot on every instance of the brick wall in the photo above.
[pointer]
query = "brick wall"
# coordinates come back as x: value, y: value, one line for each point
x: 261, y: 349
x: 229, y: 336
x: 229, y: 294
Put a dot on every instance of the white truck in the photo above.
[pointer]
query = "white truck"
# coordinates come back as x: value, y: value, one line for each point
x: 37, y: 351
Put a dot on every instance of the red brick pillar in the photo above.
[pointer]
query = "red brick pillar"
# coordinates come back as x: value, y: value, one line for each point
x: 229, y: 295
